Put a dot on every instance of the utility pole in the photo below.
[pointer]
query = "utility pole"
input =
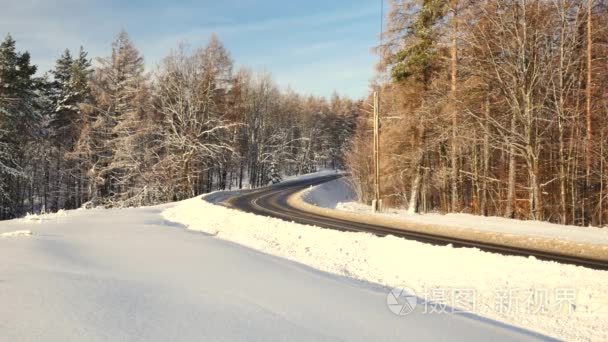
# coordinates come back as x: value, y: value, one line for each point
x: 454, y: 74
x: 377, y: 202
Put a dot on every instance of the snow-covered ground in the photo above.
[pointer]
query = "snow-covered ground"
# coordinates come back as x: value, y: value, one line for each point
x: 339, y: 195
x: 562, y: 301
x: 16, y: 233
x: 138, y: 275
x: 132, y: 275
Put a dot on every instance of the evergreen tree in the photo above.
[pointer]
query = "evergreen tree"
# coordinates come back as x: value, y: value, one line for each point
x: 80, y: 75
x: 69, y: 92
x: 420, y: 54
x: 61, y: 84
x: 60, y: 134
x: 17, y: 119
x: 81, y: 94
x: 274, y: 173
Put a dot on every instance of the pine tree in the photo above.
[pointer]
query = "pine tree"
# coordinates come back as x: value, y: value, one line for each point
x: 61, y: 83
x: 420, y: 55
x: 78, y: 94
x: 60, y: 134
x: 80, y: 75
x: 17, y: 119
x: 274, y: 173
x: 67, y: 94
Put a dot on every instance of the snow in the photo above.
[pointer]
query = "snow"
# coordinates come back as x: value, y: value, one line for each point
x: 436, y: 274
x: 44, y: 217
x: 330, y: 194
x: 132, y: 275
x: 138, y: 275
x: 339, y: 195
x: 16, y: 233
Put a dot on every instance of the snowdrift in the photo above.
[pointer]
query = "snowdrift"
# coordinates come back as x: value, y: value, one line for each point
x: 428, y: 270
x: 335, y: 199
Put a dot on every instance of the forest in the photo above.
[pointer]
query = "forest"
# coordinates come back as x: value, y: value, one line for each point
x: 494, y: 107
x: 105, y: 132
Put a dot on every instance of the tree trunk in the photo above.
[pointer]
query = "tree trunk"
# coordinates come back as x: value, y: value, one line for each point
x: 511, y: 178
x: 413, y: 205
x: 588, y: 89
x: 486, y: 160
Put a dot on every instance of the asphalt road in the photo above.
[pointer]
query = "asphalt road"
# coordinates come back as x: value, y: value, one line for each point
x: 273, y: 201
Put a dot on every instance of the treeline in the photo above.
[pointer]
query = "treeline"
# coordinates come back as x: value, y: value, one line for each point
x: 111, y: 134
x: 494, y: 107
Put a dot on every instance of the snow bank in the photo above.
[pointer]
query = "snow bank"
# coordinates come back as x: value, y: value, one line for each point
x: 45, y: 217
x: 576, y: 241
x: 439, y: 274
x: 16, y: 234
x: 129, y: 275
x: 592, y: 235
x: 330, y: 194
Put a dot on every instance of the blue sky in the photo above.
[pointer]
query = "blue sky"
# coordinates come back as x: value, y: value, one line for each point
x: 313, y: 46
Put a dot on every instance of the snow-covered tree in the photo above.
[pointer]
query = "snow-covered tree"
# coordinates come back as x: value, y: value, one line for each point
x: 119, y: 126
x: 274, y: 174
x: 18, y: 116
x: 191, y: 99
x: 116, y: 136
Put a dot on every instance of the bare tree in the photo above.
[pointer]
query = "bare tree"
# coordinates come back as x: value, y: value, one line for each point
x: 190, y: 91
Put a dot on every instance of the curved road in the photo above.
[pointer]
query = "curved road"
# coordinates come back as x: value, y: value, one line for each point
x: 273, y: 201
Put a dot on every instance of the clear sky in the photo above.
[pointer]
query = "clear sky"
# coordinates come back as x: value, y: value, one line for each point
x: 313, y: 46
